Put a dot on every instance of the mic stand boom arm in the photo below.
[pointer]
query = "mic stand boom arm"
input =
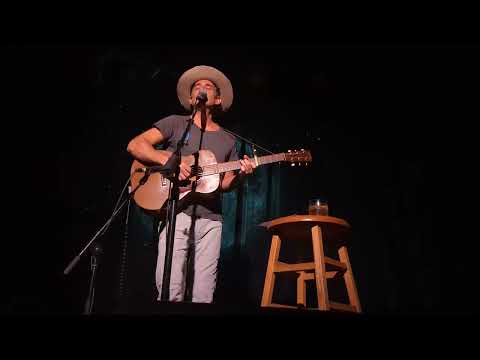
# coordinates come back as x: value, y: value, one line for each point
x: 104, y: 228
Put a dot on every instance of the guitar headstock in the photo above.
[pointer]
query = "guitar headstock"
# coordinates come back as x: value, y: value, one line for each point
x: 298, y: 157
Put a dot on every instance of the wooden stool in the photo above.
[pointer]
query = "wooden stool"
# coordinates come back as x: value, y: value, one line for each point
x: 317, y: 228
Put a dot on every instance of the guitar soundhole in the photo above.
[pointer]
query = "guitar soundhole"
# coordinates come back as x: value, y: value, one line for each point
x: 185, y: 183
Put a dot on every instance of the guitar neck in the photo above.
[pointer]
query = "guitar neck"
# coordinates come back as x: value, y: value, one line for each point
x: 235, y: 165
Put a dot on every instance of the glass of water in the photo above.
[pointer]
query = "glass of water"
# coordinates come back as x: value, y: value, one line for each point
x: 318, y: 206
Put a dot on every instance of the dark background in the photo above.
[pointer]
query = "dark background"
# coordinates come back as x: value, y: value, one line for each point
x: 390, y: 128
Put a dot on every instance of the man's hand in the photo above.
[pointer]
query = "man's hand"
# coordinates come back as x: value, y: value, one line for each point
x: 185, y: 171
x: 230, y: 180
x: 246, y: 166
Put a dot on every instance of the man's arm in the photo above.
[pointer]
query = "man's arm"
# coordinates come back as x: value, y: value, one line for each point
x: 142, y: 148
x: 231, y: 180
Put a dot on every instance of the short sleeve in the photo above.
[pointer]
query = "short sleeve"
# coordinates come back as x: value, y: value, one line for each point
x: 166, y: 126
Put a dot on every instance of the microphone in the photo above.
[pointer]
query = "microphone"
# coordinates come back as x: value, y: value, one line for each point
x: 150, y: 169
x: 202, y: 96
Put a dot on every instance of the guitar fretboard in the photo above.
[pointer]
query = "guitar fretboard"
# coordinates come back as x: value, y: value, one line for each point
x: 235, y: 165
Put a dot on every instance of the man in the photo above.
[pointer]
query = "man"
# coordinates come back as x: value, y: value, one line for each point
x: 199, y: 223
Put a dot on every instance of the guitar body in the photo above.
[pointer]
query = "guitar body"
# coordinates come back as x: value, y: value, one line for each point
x: 153, y: 195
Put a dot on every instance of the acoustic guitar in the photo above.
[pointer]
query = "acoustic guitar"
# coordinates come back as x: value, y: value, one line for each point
x: 153, y: 194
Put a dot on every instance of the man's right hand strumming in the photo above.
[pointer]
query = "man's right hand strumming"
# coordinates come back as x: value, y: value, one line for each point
x: 185, y: 170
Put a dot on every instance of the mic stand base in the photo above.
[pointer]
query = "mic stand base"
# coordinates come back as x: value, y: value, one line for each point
x: 95, y: 260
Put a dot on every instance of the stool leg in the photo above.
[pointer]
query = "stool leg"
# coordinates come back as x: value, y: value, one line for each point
x: 349, y: 280
x: 301, y: 290
x: 270, y: 275
x: 320, y: 272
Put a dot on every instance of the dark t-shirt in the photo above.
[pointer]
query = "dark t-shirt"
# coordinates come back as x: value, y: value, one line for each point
x: 219, y: 142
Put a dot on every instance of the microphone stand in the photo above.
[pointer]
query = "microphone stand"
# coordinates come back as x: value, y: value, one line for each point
x: 172, y: 210
x: 97, y: 250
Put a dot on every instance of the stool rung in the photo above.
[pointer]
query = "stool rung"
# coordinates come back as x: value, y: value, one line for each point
x: 330, y: 275
x: 335, y: 263
x: 284, y: 267
x: 342, y: 307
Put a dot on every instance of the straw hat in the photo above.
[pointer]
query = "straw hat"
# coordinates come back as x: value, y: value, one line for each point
x: 203, y: 72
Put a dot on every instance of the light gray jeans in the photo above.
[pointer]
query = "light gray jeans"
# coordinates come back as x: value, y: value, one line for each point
x: 207, y: 243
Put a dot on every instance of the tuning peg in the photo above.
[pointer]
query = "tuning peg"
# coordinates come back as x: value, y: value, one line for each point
x: 289, y: 151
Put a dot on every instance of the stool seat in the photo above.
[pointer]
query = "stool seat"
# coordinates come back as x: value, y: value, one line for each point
x: 318, y: 229
x: 297, y: 227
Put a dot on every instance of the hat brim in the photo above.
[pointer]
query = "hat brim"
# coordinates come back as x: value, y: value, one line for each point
x: 202, y: 72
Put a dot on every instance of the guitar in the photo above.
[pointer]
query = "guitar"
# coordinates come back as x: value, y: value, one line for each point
x: 153, y: 194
